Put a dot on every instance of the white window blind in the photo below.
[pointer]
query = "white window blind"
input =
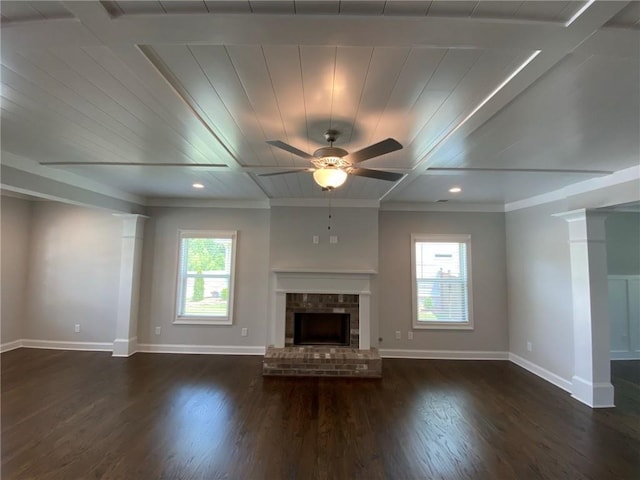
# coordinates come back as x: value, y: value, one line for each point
x: 205, y: 277
x: 441, y: 281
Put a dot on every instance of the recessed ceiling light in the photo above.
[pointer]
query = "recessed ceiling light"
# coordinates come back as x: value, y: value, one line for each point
x: 198, y: 185
x: 455, y: 190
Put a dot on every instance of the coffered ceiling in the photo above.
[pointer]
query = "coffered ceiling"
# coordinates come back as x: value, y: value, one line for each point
x: 506, y: 100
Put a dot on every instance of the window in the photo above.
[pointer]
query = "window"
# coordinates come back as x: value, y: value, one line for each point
x: 205, y: 277
x: 441, y: 271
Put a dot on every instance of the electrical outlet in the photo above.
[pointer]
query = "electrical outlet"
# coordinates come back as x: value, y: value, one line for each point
x: 77, y: 328
x: 409, y: 335
x: 398, y: 335
x: 245, y: 332
x: 158, y: 330
x: 529, y: 346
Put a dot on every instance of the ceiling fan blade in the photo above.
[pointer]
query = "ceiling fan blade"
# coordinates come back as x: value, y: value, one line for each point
x: 283, y: 173
x: 288, y: 148
x: 385, y: 146
x: 378, y: 174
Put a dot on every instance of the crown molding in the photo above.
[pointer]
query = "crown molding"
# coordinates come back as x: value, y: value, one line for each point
x: 442, y: 207
x: 206, y: 203
x: 324, y: 202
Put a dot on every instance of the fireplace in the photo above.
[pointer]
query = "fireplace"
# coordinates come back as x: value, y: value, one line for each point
x: 321, y: 329
x: 313, y: 291
x: 320, y: 324
x: 312, y: 316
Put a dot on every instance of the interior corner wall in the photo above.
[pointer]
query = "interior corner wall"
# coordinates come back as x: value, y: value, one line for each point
x: 488, y: 268
x: 539, y: 283
x: 74, y: 273
x: 160, y: 270
x: 15, y: 220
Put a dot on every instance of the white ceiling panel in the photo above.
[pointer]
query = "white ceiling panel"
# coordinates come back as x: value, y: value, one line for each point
x: 496, y: 9
x: 22, y: 11
x: 484, y: 187
x: 221, y: 78
x: 176, y: 182
x: 210, y: 82
x: 225, y: 6
x: 184, y: 6
x: 590, y: 123
x: 137, y: 7
x: 629, y: 17
x: 407, y: 8
x: 355, y: 7
x: 445, y: 8
x: 543, y: 10
x: 322, y: 7
x: 274, y: 7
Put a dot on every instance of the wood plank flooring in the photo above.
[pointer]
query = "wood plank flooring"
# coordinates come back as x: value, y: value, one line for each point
x: 86, y: 415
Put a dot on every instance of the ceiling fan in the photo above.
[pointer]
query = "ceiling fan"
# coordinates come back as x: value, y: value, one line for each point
x: 332, y: 165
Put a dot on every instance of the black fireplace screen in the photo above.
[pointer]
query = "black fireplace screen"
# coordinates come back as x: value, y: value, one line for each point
x: 321, y: 329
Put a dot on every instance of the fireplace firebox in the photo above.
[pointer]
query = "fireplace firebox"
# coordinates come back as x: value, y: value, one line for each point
x: 313, y: 328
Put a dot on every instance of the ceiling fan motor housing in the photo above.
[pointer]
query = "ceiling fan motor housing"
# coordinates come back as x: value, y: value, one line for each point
x: 330, y: 157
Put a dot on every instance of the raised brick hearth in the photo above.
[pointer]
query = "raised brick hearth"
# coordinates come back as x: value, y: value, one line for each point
x: 322, y: 362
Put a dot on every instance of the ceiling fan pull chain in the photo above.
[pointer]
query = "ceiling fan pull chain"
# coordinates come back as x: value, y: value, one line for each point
x: 330, y: 193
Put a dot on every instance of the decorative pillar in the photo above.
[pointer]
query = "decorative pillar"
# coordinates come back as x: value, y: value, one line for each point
x: 364, y: 305
x: 126, y: 341
x: 591, y: 337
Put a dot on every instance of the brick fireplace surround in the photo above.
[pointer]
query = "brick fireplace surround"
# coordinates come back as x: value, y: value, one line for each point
x: 304, y: 290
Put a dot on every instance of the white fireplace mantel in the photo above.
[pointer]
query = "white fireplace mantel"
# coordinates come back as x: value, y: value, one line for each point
x: 305, y: 280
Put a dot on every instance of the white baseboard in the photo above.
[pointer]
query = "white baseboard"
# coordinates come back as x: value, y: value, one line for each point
x: 543, y: 373
x: 200, y: 349
x: 443, y: 354
x: 56, y: 345
x: 125, y: 347
x: 6, y: 347
x: 594, y: 395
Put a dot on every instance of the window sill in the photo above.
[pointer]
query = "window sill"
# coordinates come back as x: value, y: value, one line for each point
x: 202, y: 321
x: 443, y: 326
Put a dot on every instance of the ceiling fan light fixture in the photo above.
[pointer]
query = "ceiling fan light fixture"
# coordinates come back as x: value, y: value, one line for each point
x: 329, y: 177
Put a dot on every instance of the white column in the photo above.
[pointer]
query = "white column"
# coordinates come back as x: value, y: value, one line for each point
x: 279, y: 319
x: 591, y: 342
x: 125, y: 343
x: 364, y: 316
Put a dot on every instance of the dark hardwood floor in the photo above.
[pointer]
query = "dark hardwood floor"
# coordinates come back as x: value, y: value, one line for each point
x: 77, y: 415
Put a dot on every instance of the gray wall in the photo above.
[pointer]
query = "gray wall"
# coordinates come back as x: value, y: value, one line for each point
x: 623, y: 243
x: 487, y: 232
x: 539, y: 283
x: 293, y: 228
x: 14, y: 241
x: 74, y: 273
x: 159, y: 276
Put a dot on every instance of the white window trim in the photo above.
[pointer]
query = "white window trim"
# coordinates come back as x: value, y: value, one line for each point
x: 420, y: 237
x: 205, y: 320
